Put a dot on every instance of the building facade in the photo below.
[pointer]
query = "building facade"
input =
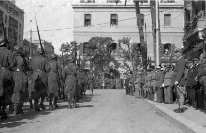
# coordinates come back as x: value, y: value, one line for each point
x: 117, y: 20
x: 13, y: 19
x: 195, y: 28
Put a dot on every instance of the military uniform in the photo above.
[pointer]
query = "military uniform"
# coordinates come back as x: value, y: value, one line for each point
x: 20, y: 80
x: 39, y: 83
x: 168, y: 92
x: 137, y: 86
x: 53, y: 82
x: 190, y: 85
x: 70, y: 78
x: 7, y: 64
x: 158, y: 80
x: 201, y: 91
x: 178, y: 80
x: 91, y: 83
x: 150, y: 86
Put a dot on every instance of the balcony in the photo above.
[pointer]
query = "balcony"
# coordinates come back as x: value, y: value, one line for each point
x: 197, y: 24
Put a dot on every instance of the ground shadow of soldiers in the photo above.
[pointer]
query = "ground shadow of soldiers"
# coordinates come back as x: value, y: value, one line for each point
x: 15, y: 121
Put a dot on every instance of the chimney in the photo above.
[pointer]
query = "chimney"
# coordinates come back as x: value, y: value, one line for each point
x: 13, y: 1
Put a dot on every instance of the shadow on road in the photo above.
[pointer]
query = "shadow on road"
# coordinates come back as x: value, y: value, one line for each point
x: 30, y: 114
x: 85, y: 106
x: 15, y: 121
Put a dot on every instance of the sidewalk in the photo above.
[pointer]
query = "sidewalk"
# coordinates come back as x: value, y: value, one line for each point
x: 193, y: 120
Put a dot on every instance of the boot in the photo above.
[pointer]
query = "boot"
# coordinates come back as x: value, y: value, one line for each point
x: 15, y: 109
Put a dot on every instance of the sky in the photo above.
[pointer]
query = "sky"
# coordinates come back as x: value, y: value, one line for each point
x: 54, y: 18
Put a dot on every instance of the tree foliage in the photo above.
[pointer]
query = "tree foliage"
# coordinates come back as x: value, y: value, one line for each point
x: 98, y: 52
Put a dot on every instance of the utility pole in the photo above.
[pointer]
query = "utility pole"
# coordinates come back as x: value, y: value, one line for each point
x: 30, y: 46
x: 153, y: 16
x: 145, y: 39
x: 157, y: 34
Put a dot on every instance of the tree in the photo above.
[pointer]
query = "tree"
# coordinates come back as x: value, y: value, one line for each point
x: 69, y: 50
x: 131, y: 53
x: 98, y: 52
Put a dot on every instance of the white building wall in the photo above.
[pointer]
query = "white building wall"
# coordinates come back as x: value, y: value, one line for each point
x: 127, y: 23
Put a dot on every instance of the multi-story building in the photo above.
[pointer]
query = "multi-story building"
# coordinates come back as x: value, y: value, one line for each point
x: 117, y: 20
x: 195, y: 28
x: 13, y: 19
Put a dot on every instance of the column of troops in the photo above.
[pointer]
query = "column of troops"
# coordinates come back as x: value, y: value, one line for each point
x: 38, y: 79
x: 184, y: 83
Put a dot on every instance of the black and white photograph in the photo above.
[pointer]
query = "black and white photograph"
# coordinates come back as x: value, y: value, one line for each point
x: 102, y: 66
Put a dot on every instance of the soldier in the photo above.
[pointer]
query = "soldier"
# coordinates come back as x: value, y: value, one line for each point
x: 20, y: 80
x: 153, y: 85
x: 201, y: 78
x: 39, y: 80
x: 137, y: 85
x: 150, y: 85
x: 91, y: 82
x: 158, y: 80
x: 178, y: 80
x: 70, y: 81
x: 189, y: 84
x: 126, y: 84
x: 7, y: 65
x: 168, y: 92
x: 53, y: 81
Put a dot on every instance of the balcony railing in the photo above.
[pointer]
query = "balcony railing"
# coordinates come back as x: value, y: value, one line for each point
x: 198, y: 23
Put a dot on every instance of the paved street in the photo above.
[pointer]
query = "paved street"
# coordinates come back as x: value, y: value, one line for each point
x: 108, y: 111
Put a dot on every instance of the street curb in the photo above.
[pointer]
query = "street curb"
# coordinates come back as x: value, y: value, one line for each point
x: 187, y: 125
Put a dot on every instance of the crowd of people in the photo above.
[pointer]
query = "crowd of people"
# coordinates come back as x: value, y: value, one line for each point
x: 37, y: 79
x: 183, y: 83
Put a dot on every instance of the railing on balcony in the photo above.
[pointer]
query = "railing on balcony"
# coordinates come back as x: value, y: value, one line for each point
x: 199, y: 21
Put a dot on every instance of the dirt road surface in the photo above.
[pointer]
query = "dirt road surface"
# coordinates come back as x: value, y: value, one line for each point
x: 108, y: 111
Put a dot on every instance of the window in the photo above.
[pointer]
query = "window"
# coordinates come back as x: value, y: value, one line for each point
x: 87, y: 19
x: 87, y: 1
x: 167, y: 1
x: 143, y: 1
x: 114, y: 20
x: 167, y: 19
x: 113, y: 1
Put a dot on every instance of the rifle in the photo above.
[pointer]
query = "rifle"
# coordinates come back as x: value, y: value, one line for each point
x: 6, y: 39
x: 42, y: 49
